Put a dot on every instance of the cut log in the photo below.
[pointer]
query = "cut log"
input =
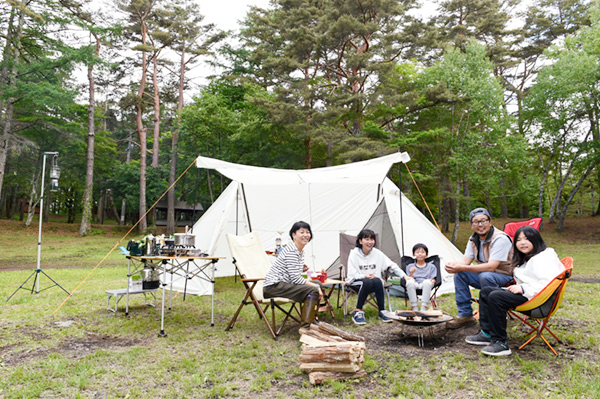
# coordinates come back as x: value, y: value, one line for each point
x: 332, y: 330
x: 315, y: 333
x: 342, y: 367
x: 331, y: 354
x: 318, y: 377
x: 310, y: 340
x: 335, y: 352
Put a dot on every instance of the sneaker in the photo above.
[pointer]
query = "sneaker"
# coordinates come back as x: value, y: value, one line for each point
x: 459, y: 322
x: 384, y: 318
x: 358, y: 317
x: 424, y: 308
x: 414, y: 308
x: 479, y: 339
x: 497, y: 348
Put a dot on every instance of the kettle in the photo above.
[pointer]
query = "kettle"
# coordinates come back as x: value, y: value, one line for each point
x: 150, y: 245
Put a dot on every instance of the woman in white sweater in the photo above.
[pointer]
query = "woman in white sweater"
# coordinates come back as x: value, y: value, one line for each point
x: 365, y: 274
x: 535, y: 266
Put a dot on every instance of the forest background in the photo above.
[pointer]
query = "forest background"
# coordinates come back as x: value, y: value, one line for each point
x: 497, y: 102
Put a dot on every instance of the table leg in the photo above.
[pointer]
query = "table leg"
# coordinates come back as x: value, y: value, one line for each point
x: 212, y: 280
x: 162, y: 315
x: 171, y: 293
x: 128, y: 277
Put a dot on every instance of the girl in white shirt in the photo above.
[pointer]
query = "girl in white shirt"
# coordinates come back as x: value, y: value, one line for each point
x: 535, y: 266
x: 365, y: 267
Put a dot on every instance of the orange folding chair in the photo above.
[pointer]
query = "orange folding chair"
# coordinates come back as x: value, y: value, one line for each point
x: 541, y: 307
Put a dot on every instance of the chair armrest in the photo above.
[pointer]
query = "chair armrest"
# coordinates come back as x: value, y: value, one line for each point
x: 252, y: 279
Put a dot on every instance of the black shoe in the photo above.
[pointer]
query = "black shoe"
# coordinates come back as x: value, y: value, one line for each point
x: 459, y: 322
x: 497, y: 348
x: 478, y: 339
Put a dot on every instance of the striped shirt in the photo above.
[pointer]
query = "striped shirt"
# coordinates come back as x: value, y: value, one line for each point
x: 287, y: 268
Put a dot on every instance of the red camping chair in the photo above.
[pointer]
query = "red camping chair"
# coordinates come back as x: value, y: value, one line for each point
x: 541, y: 307
x: 511, y: 228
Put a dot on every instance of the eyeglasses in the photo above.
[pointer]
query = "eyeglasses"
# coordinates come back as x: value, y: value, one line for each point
x: 480, y: 222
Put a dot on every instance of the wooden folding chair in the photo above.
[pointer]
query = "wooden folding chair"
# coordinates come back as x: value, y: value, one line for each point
x: 407, y: 260
x: 541, y: 307
x: 252, y: 264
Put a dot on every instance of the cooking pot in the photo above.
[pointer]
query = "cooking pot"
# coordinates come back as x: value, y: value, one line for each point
x: 187, y: 240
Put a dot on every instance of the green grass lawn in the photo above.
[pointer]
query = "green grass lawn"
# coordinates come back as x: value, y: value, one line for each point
x: 86, y: 351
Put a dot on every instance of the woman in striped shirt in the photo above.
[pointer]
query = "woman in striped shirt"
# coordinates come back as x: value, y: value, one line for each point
x: 285, y: 279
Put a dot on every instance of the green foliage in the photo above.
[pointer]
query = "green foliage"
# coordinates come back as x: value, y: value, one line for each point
x: 228, y: 121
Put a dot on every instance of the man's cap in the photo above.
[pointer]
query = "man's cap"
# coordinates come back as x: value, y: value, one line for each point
x: 479, y: 211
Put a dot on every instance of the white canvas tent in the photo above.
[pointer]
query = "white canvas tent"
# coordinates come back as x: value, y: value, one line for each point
x: 333, y: 200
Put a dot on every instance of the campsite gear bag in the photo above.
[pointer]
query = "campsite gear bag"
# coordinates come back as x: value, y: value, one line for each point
x: 134, y: 248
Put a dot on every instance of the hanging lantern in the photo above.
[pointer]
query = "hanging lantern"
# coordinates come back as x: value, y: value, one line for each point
x: 54, y: 174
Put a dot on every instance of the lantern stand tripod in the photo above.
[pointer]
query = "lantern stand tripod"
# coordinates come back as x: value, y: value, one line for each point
x: 54, y: 176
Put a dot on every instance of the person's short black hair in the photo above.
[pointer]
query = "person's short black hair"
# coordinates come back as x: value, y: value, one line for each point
x: 421, y: 246
x: 366, y: 233
x: 300, y: 225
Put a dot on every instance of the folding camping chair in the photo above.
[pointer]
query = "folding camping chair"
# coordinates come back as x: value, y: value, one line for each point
x: 252, y: 264
x: 347, y: 242
x: 407, y: 260
x: 541, y: 307
x: 511, y: 228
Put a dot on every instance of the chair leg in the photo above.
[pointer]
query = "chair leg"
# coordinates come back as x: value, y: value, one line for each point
x: 389, y: 298
x: 537, y: 331
x: 242, y: 304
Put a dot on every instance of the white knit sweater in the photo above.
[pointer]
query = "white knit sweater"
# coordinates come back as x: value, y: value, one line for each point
x: 537, y: 272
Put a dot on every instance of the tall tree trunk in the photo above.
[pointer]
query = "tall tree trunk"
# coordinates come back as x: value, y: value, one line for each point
x: 101, y: 207
x: 34, y: 199
x: 156, y: 101
x: 563, y: 212
x: 14, y: 204
x: 563, y: 180
x: 174, y: 146
x: 8, y: 79
x: 85, y: 226
x: 143, y: 226
x: 123, y: 219
x: 111, y: 205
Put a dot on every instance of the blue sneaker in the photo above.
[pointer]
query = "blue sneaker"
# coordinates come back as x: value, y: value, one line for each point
x: 358, y: 317
x: 384, y: 318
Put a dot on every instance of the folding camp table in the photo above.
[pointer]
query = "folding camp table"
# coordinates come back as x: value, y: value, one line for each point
x: 178, y: 267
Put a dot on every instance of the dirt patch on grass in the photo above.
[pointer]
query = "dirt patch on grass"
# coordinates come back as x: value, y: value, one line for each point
x: 402, y: 339
x: 71, y: 348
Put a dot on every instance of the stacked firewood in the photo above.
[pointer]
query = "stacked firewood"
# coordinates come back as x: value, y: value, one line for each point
x: 331, y: 353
